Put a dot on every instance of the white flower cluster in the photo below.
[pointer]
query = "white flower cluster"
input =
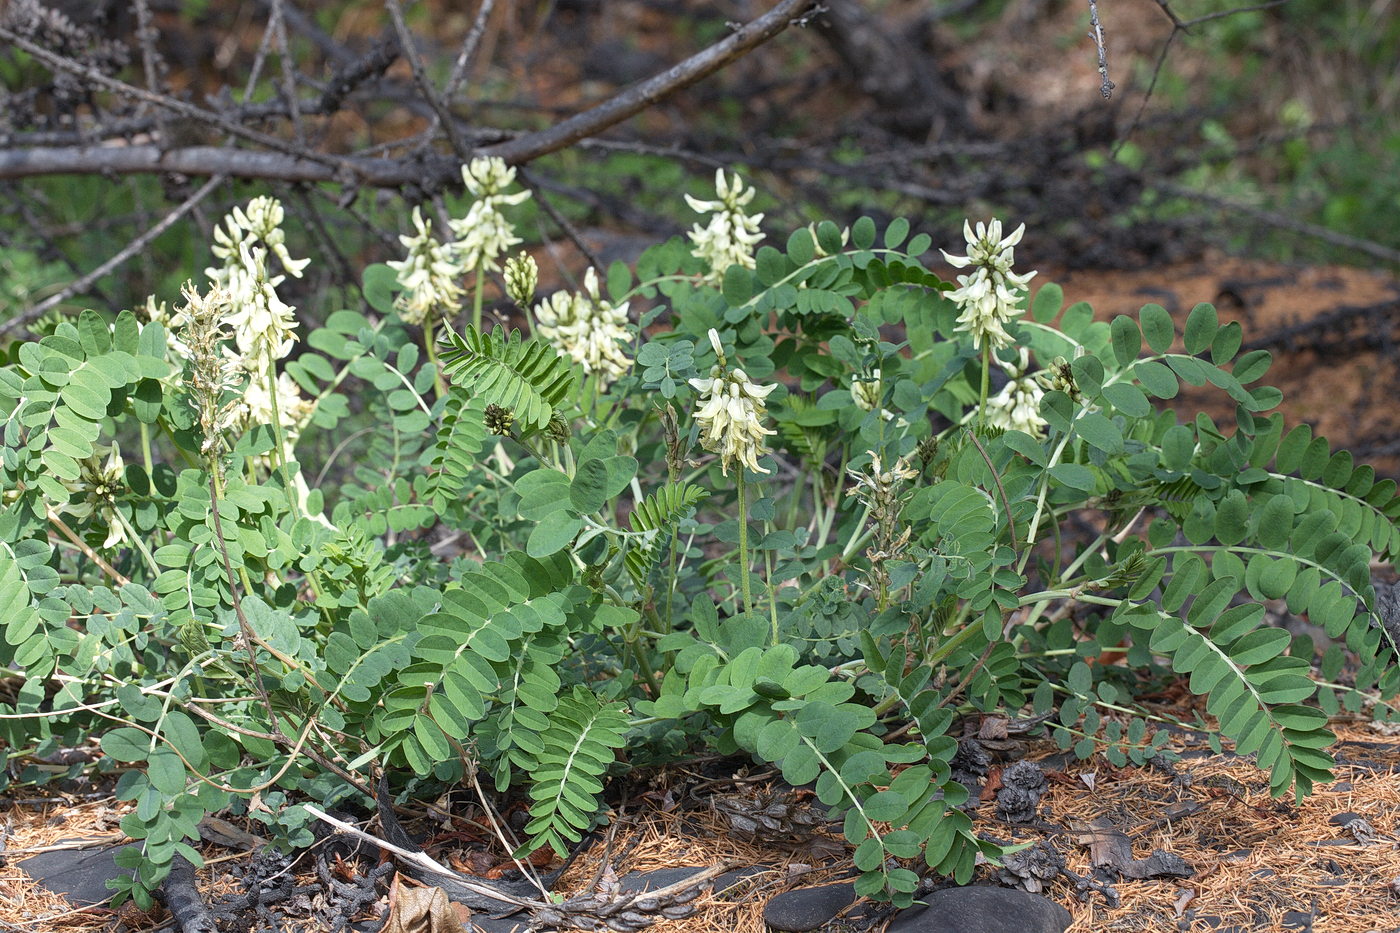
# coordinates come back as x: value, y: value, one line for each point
x: 989, y: 295
x: 1017, y: 406
x: 731, y: 414
x: 587, y: 328
x: 731, y: 235
x: 522, y: 278
x: 484, y: 234
x: 428, y: 275
x: 262, y: 323
x: 264, y: 327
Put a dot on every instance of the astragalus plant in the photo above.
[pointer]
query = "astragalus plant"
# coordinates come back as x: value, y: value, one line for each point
x: 811, y: 505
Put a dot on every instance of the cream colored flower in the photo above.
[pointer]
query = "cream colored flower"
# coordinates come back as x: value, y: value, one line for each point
x: 261, y: 220
x: 731, y: 234
x: 484, y: 234
x: 988, y: 297
x: 522, y: 278
x: 263, y: 325
x: 587, y: 328
x: 428, y: 275
x: 1017, y: 407
x: 866, y: 392
x: 731, y: 415
x: 95, y: 491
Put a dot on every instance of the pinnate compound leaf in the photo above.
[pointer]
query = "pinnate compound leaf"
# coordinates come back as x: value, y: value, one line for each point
x: 581, y: 741
x: 526, y: 377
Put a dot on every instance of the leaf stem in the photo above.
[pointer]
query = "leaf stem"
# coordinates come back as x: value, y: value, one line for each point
x: 430, y: 345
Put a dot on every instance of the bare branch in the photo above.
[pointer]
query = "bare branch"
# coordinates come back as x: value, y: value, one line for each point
x: 204, y: 160
x: 468, y: 50
x: 420, y: 77
x: 562, y: 222
x: 1179, y: 26
x: 147, y: 35
x: 637, y: 98
x: 292, y: 163
x: 1096, y: 33
x: 218, y: 121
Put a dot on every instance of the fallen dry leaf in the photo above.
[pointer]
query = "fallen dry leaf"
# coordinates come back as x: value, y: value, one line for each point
x: 423, y: 910
x: 1110, y: 847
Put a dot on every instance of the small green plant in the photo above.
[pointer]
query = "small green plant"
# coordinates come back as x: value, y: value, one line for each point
x: 811, y: 505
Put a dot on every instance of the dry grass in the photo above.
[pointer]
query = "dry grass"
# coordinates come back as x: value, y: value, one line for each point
x: 1255, y: 857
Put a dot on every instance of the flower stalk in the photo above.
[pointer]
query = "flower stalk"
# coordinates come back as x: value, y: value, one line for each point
x: 744, y: 584
x: 731, y: 417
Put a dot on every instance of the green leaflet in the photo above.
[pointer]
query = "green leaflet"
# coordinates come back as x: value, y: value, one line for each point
x: 525, y: 377
x: 659, y: 513
x: 566, y: 780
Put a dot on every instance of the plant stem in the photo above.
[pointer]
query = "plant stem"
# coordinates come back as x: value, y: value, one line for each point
x: 146, y: 448
x: 82, y: 545
x: 986, y: 380
x: 772, y: 594
x: 744, y: 543
x: 476, y: 298
x: 280, y: 456
x: 934, y: 657
x: 137, y: 541
x: 670, y: 583
x: 250, y: 638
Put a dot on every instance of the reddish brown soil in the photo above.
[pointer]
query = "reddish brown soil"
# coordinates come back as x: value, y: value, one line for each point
x: 1346, y: 396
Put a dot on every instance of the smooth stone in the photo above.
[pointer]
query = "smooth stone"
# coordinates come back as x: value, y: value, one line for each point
x: 665, y: 877
x: 808, y: 908
x: 80, y: 875
x: 983, y: 909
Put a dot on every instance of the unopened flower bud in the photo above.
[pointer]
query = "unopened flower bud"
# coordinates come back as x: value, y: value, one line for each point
x: 522, y: 278
x: 1062, y: 378
x: 866, y: 392
x: 719, y: 347
x: 498, y: 420
x: 558, y: 428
